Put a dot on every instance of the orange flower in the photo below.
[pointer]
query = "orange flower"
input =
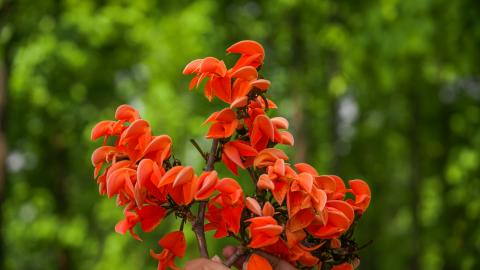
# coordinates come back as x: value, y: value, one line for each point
x: 225, y: 210
x: 252, y: 53
x: 264, y: 130
x: 264, y: 231
x: 158, y: 149
x: 174, y: 245
x: 206, y: 185
x: 151, y: 216
x: 127, y: 224
x: 148, y: 178
x: 181, y: 184
x: 303, y: 255
x: 268, y: 157
x: 121, y: 181
x: 124, y: 113
x: 218, y: 83
x: 257, y: 262
x: 361, y: 190
x: 225, y: 123
x: 343, y: 266
x: 106, y: 129
x: 340, y: 217
x: 277, y: 179
x: 255, y: 208
x: 246, y: 79
x: 237, y: 154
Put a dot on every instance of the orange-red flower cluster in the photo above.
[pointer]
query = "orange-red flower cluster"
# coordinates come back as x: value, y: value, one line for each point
x: 295, y: 213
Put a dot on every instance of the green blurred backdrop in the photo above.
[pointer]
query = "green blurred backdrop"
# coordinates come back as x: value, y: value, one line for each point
x: 387, y: 91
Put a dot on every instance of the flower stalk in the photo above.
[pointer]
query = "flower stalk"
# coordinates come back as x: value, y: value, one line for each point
x: 199, y: 225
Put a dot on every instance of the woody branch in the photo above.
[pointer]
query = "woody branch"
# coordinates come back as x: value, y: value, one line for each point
x: 198, y: 227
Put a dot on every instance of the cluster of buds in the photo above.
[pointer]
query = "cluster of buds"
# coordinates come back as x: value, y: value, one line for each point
x: 295, y: 214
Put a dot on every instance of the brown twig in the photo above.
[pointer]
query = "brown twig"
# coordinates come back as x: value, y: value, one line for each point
x: 252, y: 175
x: 238, y: 253
x: 199, y: 149
x: 198, y: 227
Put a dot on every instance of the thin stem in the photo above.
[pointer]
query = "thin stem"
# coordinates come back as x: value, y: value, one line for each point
x: 238, y: 253
x: 236, y: 237
x: 252, y: 176
x: 199, y: 149
x: 198, y: 227
x: 182, y: 223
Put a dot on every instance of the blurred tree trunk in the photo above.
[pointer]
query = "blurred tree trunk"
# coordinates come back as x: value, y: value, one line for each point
x: 414, y: 132
x: 298, y: 64
x: 4, y: 71
x: 3, y: 150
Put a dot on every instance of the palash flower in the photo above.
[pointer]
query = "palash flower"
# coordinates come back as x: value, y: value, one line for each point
x: 277, y: 180
x: 257, y: 262
x: 264, y: 231
x: 127, y: 224
x: 252, y: 53
x: 218, y: 81
x: 246, y: 79
x: 206, y: 184
x: 174, y: 245
x: 268, y: 157
x: 343, y: 266
x: 180, y: 182
x: 225, y: 123
x: 225, y: 209
x: 340, y: 217
x: 149, y: 217
x: 108, y: 128
x: 255, y: 208
x: 303, y: 254
x: 237, y: 154
x: 362, y: 194
x: 148, y: 178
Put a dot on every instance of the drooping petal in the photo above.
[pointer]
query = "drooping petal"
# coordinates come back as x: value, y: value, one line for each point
x: 362, y: 193
x: 183, y: 176
x: 158, y: 149
x: 261, y: 84
x: 151, y: 216
x: 170, y: 176
x: 264, y: 182
x: 268, y: 209
x: 286, y: 138
x: 268, y: 156
x: 253, y: 206
x: 304, y: 167
x: 257, y: 262
x: 249, y: 47
x: 233, y: 154
x: 174, y: 242
x: 306, y: 181
x: 239, y: 102
x: 101, y: 129
x: 206, y: 185
x: 247, y: 73
x: 280, y: 122
x: 192, y: 67
x: 126, y: 113
x: 343, y: 266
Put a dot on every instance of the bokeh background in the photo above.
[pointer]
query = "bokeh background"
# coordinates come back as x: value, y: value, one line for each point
x: 387, y: 91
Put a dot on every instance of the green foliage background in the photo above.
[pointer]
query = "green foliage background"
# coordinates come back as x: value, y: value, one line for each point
x: 387, y: 91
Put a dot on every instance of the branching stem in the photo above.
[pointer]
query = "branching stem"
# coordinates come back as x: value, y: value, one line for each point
x: 199, y: 149
x: 198, y: 227
x: 238, y: 253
